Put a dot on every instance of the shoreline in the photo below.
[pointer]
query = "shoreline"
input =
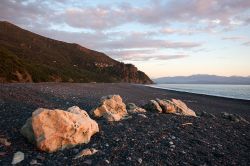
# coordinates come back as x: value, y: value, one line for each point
x: 145, y: 85
x: 203, y: 94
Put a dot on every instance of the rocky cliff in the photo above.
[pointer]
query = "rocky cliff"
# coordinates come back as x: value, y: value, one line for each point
x: 29, y: 57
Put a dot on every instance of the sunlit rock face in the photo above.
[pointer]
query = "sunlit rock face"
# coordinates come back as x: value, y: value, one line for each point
x: 133, y: 109
x: 182, y: 109
x: 111, y: 108
x: 172, y: 106
x: 154, y: 106
x: 52, y: 130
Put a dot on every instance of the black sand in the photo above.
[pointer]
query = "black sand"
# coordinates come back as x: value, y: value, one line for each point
x: 135, y: 141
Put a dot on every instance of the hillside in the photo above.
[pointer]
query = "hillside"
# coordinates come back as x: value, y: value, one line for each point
x: 29, y: 57
x: 203, y: 79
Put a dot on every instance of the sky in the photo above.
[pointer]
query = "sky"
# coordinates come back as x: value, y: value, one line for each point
x: 160, y: 37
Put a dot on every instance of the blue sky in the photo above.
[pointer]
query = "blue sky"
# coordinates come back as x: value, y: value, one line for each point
x: 161, y: 37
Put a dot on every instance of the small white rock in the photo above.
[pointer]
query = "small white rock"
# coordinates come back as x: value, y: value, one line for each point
x: 17, y: 158
x: 5, y: 142
x: 86, y: 152
x: 142, y: 115
x: 139, y: 160
x: 34, y: 162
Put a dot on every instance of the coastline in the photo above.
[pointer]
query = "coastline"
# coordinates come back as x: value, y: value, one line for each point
x: 229, y: 97
x: 207, y: 141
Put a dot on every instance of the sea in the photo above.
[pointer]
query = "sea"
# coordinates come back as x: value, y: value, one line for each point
x: 229, y: 91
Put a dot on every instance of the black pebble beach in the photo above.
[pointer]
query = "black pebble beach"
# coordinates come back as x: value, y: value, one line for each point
x: 159, y: 139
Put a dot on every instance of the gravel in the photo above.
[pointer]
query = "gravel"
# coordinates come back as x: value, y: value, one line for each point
x: 207, y: 140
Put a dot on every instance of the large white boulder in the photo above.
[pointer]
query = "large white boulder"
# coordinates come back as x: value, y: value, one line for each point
x: 52, y: 130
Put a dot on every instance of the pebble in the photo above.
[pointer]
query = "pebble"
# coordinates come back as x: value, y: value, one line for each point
x: 5, y: 142
x: 127, y: 117
x: 41, y: 157
x: 139, y: 160
x: 172, y: 146
x: 34, y: 162
x: 171, y: 143
x: 142, y: 115
x: 2, y: 153
x: 75, y: 150
x: 107, y: 161
x: 88, y: 162
x: 183, y: 152
x: 120, y: 124
x: 173, y: 137
x: 86, y: 152
x: 17, y: 158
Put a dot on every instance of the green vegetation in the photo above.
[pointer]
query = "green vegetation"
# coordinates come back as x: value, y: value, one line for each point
x: 9, y: 64
x: 46, y: 60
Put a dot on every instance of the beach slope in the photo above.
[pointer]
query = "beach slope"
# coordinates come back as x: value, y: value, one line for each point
x: 159, y: 139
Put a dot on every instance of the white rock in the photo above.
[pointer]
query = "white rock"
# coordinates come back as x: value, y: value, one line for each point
x: 142, y: 115
x: 132, y: 109
x: 86, y: 152
x: 53, y: 130
x: 153, y: 106
x: 17, y: 158
x: 139, y: 160
x: 111, y: 108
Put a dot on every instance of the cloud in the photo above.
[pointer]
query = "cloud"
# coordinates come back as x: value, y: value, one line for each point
x: 132, y: 55
x: 133, y: 41
x: 26, y: 13
x: 225, y: 13
x: 185, y: 31
x: 142, y: 55
x: 99, y: 17
x: 235, y: 38
x: 101, y: 26
x: 153, y: 57
x: 221, y: 12
x: 246, y: 43
x: 126, y: 48
x: 106, y: 41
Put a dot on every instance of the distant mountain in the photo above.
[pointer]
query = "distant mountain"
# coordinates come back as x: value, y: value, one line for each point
x: 203, y: 79
x: 29, y: 57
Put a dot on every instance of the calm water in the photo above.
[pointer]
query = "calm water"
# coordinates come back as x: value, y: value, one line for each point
x: 231, y: 91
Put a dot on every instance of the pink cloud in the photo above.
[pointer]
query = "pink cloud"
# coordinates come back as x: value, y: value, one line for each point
x: 142, y: 55
x: 101, y: 17
x: 235, y: 38
x: 158, y: 12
